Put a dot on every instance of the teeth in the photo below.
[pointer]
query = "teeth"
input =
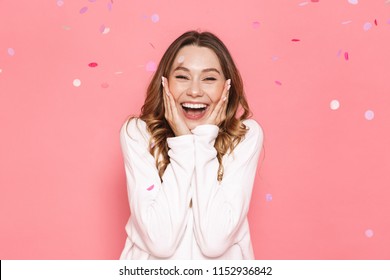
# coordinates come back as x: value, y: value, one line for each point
x: 194, y: 106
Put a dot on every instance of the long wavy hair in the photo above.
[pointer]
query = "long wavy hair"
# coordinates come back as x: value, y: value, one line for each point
x: 231, y: 130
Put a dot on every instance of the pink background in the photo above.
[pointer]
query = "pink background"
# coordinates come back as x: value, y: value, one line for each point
x: 323, y: 188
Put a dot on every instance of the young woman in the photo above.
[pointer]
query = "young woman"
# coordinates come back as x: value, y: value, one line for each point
x: 191, y: 157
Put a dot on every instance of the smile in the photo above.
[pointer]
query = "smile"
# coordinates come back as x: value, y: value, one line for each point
x: 194, y: 111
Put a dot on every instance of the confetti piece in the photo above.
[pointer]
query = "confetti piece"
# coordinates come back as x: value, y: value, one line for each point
x: 60, y: 3
x: 375, y: 21
x: 296, y: 40
x: 334, y: 104
x: 339, y: 53
x: 275, y: 58
x: 303, y: 4
x: 346, y: 22
x: 66, y: 27
x: 315, y: 1
x: 1, y: 70
x: 180, y: 59
x: 93, y: 64
x: 11, y: 52
x: 155, y: 18
x: 151, y: 66
x: 353, y: 2
x: 104, y: 30
x: 105, y: 85
x: 346, y: 56
x: 369, y: 233
x: 255, y: 24
x: 83, y: 10
x: 109, y: 6
x: 369, y: 115
x: 278, y: 83
x: 76, y: 82
x: 92, y: 1
x: 152, y: 45
x: 118, y: 73
x: 150, y: 188
x: 367, y: 26
x: 268, y: 197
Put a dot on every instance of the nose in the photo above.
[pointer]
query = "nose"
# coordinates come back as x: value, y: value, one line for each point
x: 195, y: 89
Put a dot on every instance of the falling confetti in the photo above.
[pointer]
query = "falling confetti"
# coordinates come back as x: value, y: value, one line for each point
x: 376, y: 22
x: 105, y: 85
x: 367, y: 26
x: 315, y: 1
x: 155, y: 18
x: 109, y: 6
x: 60, y: 3
x: 369, y: 115
x: 118, y: 73
x: 76, y: 82
x: 268, y: 197
x: 346, y: 22
x: 369, y: 233
x: 334, y: 104
x: 151, y: 66
x: 339, y: 53
x: 255, y: 24
x: 346, y: 56
x: 278, y: 83
x: 353, y: 2
x: 295, y: 40
x: 83, y: 10
x: 92, y: 1
x: 66, y: 27
x: 104, y: 30
x: 275, y: 58
x: 150, y: 188
x: 11, y: 52
x: 1, y: 70
x: 152, y: 45
x: 93, y: 64
x: 303, y: 4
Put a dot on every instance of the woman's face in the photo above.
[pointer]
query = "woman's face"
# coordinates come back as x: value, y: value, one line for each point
x: 196, y: 82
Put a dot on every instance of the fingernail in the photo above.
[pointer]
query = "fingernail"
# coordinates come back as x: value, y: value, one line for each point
x: 229, y: 81
x: 228, y: 87
x: 224, y: 99
x: 162, y: 80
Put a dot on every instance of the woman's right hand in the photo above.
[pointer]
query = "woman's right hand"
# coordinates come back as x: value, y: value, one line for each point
x: 176, y: 122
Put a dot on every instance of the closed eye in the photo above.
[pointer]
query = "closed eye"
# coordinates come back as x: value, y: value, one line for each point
x: 210, y: 79
x: 181, y: 77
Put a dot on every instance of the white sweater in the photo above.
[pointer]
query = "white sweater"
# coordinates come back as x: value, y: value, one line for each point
x: 162, y: 224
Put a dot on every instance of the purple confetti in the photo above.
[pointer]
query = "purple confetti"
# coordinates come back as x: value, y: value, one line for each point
x: 155, y: 18
x: 151, y: 66
x: 83, y: 10
x: 150, y: 188
x: 339, y: 53
x: 367, y: 26
x: 109, y: 6
x: 369, y: 233
x: 268, y: 197
x: 11, y: 52
x: 369, y: 115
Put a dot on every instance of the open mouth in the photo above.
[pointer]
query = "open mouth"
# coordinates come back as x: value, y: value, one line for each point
x: 194, y: 111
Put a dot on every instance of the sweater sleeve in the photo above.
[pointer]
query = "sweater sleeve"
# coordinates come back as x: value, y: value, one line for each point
x: 159, y: 209
x: 221, y: 208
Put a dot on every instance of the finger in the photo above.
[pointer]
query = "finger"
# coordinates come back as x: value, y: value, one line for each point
x: 225, y: 97
x: 219, y: 108
x: 168, y: 111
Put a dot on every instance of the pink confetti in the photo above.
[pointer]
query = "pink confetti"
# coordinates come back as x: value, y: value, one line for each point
x: 109, y: 6
x: 152, y: 45
x: 346, y: 56
x: 93, y: 64
x: 255, y: 24
x: 369, y: 233
x: 151, y: 66
x: 367, y: 26
x: 150, y: 188
x: 92, y: 1
x: 303, y: 4
x: 278, y: 83
x: 11, y: 52
x: 315, y: 1
x: 60, y: 3
x: 296, y: 40
x: 155, y: 18
x: 83, y: 10
x: 375, y: 21
x: 268, y: 197
x: 105, y: 85
x: 339, y: 53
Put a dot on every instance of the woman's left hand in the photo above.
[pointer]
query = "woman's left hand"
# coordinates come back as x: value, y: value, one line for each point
x: 218, y: 115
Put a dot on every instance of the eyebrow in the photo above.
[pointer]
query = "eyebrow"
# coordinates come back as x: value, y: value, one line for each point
x: 204, y: 70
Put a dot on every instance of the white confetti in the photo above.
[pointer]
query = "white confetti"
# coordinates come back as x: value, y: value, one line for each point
x: 334, y: 104
x: 353, y: 2
x: 369, y: 115
x: 76, y: 82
